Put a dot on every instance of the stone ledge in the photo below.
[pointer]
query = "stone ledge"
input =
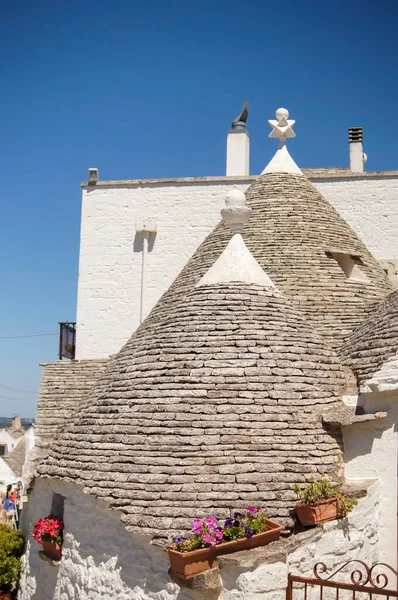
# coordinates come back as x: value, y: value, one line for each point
x: 208, y: 581
x: 312, y: 174
x: 48, y: 559
x: 273, y: 552
x: 349, y: 415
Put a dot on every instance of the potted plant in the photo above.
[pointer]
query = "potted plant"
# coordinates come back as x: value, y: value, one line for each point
x: 11, y: 548
x: 48, y: 532
x: 321, y: 502
x: 208, y: 539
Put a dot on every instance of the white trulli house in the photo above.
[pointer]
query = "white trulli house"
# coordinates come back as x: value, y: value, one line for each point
x: 262, y: 365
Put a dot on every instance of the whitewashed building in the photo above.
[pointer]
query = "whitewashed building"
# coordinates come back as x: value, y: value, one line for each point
x: 270, y: 358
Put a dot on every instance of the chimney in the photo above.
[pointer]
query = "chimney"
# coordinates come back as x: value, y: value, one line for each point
x: 16, y: 423
x: 238, y: 144
x: 357, y: 157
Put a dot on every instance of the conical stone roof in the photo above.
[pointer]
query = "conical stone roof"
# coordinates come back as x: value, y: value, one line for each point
x: 374, y: 342
x: 291, y: 234
x: 216, y: 401
x: 217, y: 408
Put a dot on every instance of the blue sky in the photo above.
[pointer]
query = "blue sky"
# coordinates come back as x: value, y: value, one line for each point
x: 149, y: 90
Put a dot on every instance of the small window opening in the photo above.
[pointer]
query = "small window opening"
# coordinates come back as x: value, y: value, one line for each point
x: 57, y: 505
x: 350, y: 265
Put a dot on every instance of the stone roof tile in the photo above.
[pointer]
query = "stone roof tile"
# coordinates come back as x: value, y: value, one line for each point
x: 63, y: 388
x: 216, y: 408
x: 291, y: 233
x: 374, y: 342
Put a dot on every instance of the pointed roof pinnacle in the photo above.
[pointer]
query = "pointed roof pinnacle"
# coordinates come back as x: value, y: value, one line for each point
x: 282, y: 128
x: 236, y: 263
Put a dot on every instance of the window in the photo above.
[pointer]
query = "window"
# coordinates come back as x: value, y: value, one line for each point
x: 57, y: 505
x: 350, y: 264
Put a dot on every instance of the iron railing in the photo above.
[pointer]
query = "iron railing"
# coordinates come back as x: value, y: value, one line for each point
x: 364, y: 583
x: 67, y: 340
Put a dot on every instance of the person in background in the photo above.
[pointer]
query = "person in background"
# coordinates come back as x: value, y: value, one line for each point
x: 18, y: 503
x: 8, y: 507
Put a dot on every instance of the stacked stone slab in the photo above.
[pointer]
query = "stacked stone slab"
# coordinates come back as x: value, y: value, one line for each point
x: 217, y: 408
x: 64, y: 387
x: 291, y: 233
x: 374, y: 342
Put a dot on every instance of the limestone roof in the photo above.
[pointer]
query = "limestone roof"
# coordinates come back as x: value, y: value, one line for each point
x: 291, y: 233
x: 64, y: 387
x: 16, y: 458
x: 216, y: 408
x: 374, y: 343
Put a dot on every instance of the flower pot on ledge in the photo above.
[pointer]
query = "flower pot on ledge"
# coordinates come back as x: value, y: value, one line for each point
x: 186, y: 565
x: 51, y: 550
x: 311, y: 514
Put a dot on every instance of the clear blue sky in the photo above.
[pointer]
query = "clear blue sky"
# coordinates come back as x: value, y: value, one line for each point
x: 149, y: 90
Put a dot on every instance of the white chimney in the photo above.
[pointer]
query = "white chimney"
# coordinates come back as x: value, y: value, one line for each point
x: 357, y: 157
x: 238, y: 145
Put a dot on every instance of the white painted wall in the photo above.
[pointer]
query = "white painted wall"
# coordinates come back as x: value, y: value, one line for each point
x: 110, y: 252
x: 370, y: 207
x: 100, y: 559
x: 8, y: 440
x: 7, y: 475
x: 371, y: 451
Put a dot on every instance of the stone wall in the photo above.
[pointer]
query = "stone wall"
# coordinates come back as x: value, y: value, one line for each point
x: 102, y: 560
x: 110, y: 269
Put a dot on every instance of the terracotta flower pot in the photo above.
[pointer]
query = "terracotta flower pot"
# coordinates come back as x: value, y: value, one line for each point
x: 186, y: 565
x: 51, y: 551
x: 311, y: 514
x: 5, y: 595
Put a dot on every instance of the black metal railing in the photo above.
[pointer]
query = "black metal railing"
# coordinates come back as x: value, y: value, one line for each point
x: 67, y: 340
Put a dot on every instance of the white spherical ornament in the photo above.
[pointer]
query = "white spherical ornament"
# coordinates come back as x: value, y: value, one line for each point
x: 282, y: 113
x: 235, y: 198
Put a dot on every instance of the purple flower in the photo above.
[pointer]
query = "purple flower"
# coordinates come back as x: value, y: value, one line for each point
x: 209, y: 539
x: 178, y: 539
x: 228, y: 522
x: 252, y: 509
x: 236, y: 524
x: 237, y: 515
x: 197, y: 526
x: 249, y: 532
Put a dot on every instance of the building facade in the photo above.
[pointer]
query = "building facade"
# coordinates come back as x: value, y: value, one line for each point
x: 268, y: 360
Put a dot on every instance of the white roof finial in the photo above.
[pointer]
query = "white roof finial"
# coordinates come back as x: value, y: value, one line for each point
x: 282, y: 127
x: 282, y: 162
x: 236, y: 214
x: 236, y: 263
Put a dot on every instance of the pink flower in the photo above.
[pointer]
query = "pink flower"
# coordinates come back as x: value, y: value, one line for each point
x: 197, y: 526
x: 219, y: 534
x: 212, y: 520
x: 209, y: 539
x: 252, y: 509
x: 197, y: 530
